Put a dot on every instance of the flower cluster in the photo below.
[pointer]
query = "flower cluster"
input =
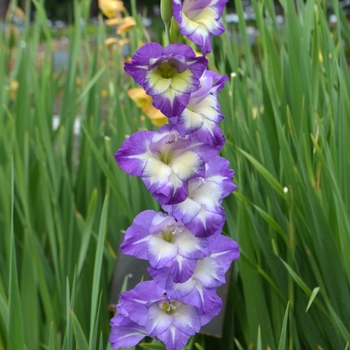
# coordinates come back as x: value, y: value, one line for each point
x: 180, y: 166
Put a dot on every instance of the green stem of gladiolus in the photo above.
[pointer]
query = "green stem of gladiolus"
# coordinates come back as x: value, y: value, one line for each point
x: 167, y: 34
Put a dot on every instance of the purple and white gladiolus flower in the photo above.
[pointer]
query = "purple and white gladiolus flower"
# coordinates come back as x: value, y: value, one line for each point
x: 165, y: 161
x: 203, y: 112
x: 148, y: 310
x: 167, y: 74
x: 199, y: 290
x: 165, y: 242
x: 201, y: 211
x: 209, y: 272
x: 199, y: 20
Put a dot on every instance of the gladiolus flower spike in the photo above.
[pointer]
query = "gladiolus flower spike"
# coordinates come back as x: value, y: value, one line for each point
x: 180, y: 166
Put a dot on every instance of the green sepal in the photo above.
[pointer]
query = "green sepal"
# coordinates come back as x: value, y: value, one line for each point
x: 175, y: 36
x: 166, y: 11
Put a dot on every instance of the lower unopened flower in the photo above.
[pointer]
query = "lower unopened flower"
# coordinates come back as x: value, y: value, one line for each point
x: 167, y: 74
x: 165, y: 161
x: 163, y: 241
x: 199, y: 19
x: 201, y: 212
x: 147, y: 308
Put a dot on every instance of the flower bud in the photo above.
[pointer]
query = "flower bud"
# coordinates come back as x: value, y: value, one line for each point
x: 175, y: 36
x: 166, y: 10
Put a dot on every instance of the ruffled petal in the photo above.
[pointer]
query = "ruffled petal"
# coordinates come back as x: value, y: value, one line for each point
x: 126, y: 335
x: 174, y: 339
x: 137, y: 235
x: 160, y: 252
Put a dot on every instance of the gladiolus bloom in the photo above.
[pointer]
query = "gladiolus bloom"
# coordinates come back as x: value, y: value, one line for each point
x: 165, y: 242
x: 167, y: 74
x: 165, y: 161
x: 148, y: 310
x: 199, y: 19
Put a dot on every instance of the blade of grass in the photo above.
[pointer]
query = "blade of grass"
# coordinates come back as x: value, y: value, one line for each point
x: 312, y: 297
x: 108, y: 173
x: 81, y: 341
x: 282, y: 341
x: 51, y: 344
x: 264, y: 172
x: 15, y: 325
x: 87, y: 230
x: 97, y: 274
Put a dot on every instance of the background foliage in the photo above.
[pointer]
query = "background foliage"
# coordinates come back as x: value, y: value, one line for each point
x: 64, y: 201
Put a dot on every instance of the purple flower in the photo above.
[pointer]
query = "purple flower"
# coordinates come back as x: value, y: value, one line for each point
x: 165, y: 242
x: 165, y: 161
x: 201, y: 211
x: 193, y: 291
x: 203, y: 112
x: 147, y: 308
x: 167, y: 74
x: 209, y: 274
x: 199, y: 19
x: 125, y: 333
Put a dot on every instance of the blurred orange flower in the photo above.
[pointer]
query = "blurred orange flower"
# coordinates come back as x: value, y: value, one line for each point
x: 111, y: 41
x: 139, y: 96
x: 126, y: 25
x: 13, y: 89
x: 17, y: 11
x: 142, y: 100
x: 111, y: 22
x: 156, y: 116
x: 111, y: 8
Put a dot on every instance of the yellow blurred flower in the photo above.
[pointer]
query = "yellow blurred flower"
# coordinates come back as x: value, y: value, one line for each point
x: 156, y: 116
x: 320, y: 56
x: 17, y: 11
x: 142, y: 100
x: 254, y: 112
x: 124, y: 24
x: 78, y: 81
x: 13, y: 89
x: 111, y: 22
x: 139, y: 96
x: 128, y: 23
x: 111, y: 8
x: 111, y: 41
